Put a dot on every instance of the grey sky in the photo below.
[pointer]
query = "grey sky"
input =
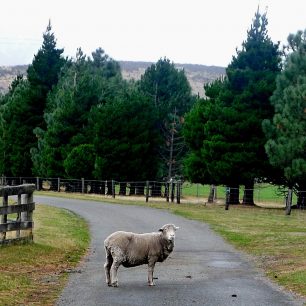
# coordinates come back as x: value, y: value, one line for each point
x: 186, y: 31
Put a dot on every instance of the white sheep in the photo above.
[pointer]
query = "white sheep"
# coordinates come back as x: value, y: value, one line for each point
x: 131, y: 249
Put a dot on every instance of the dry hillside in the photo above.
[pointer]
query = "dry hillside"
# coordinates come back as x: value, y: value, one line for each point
x: 197, y: 75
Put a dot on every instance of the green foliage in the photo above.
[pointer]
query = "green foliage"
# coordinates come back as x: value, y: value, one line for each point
x: 167, y: 87
x: 224, y: 131
x: 286, y: 145
x: 84, y: 83
x: 24, y: 105
x: 80, y: 161
x: 17, y: 130
x: 124, y: 137
x: 170, y: 93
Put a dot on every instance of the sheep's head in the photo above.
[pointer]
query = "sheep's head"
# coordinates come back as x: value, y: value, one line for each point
x: 168, y: 231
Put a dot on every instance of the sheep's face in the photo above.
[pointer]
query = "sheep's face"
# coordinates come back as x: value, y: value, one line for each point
x: 168, y: 231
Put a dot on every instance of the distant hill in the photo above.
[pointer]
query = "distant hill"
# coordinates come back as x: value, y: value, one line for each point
x: 197, y: 75
x: 8, y: 74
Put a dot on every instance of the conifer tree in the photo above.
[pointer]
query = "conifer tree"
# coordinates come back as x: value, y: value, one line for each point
x: 286, y: 132
x: 170, y: 93
x: 233, y: 140
x: 25, y: 105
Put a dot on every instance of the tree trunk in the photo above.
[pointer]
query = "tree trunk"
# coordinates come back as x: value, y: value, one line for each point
x: 94, y: 187
x: 102, y: 188
x: 233, y: 197
x: 109, y: 187
x: 248, y: 195
x: 289, y: 201
x: 301, y: 200
x: 122, y: 189
x: 132, y: 189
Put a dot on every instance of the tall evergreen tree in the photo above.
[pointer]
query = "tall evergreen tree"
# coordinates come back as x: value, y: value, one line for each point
x: 25, y: 105
x: 233, y: 144
x: 170, y: 94
x: 286, y: 132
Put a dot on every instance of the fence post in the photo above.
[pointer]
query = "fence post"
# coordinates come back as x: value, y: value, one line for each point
x: 4, y: 217
x: 83, y: 184
x: 178, y: 192
x: 58, y: 184
x: 113, y: 188
x: 37, y: 183
x: 18, y: 219
x: 147, y: 191
x: 227, y: 197
x: 28, y: 215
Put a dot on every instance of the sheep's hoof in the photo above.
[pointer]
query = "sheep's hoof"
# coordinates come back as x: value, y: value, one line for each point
x: 115, y: 284
x: 151, y: 284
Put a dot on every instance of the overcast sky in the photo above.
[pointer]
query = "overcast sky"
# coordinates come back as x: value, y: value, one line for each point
x: 185, y: 31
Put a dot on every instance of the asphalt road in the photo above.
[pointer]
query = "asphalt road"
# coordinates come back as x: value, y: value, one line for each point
x: 202, y: 270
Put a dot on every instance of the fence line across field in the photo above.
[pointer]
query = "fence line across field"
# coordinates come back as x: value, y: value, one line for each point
x: 172, y: 190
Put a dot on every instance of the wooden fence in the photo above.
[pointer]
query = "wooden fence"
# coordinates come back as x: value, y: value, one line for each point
x: 20, y: 224
x: 170, y: 190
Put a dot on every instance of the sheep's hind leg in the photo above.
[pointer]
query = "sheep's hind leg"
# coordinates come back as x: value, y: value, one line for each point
x: 107, y: 267
x: 114, y: 271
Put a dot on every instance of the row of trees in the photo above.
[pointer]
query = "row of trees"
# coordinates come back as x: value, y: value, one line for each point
x: 79, y: 118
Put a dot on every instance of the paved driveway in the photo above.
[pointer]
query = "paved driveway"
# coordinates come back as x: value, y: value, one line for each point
x: 202, y: 270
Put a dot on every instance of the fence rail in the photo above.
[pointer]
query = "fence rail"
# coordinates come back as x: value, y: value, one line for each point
x: 173, y: 190
x: 20, y: 224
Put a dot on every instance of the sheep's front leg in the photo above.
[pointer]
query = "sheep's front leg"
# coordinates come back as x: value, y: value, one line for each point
x: 151, y: 266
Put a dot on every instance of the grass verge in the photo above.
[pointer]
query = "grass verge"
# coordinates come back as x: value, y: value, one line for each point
x: 35, y: 273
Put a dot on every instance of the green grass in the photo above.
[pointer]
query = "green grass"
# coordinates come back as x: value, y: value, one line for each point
x: 36, y: 272
x: 263, y: 193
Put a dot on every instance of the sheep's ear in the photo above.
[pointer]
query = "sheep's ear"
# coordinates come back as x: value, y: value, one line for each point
x: 162, y: 228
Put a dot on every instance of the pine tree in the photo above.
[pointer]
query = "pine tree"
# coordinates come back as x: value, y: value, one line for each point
x: 24, y: 107
x: 286, y: 132
x: 43, y: 74
x: 170, y: 94
x: 233, y: 143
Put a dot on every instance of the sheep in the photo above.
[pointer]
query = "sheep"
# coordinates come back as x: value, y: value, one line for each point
x: 131, y: 249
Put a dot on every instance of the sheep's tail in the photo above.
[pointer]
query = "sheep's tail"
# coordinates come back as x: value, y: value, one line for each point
x: 107, y: 248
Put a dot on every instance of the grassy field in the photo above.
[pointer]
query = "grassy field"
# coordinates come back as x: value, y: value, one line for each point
x: 35, y: 273
x: 263, y: 193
